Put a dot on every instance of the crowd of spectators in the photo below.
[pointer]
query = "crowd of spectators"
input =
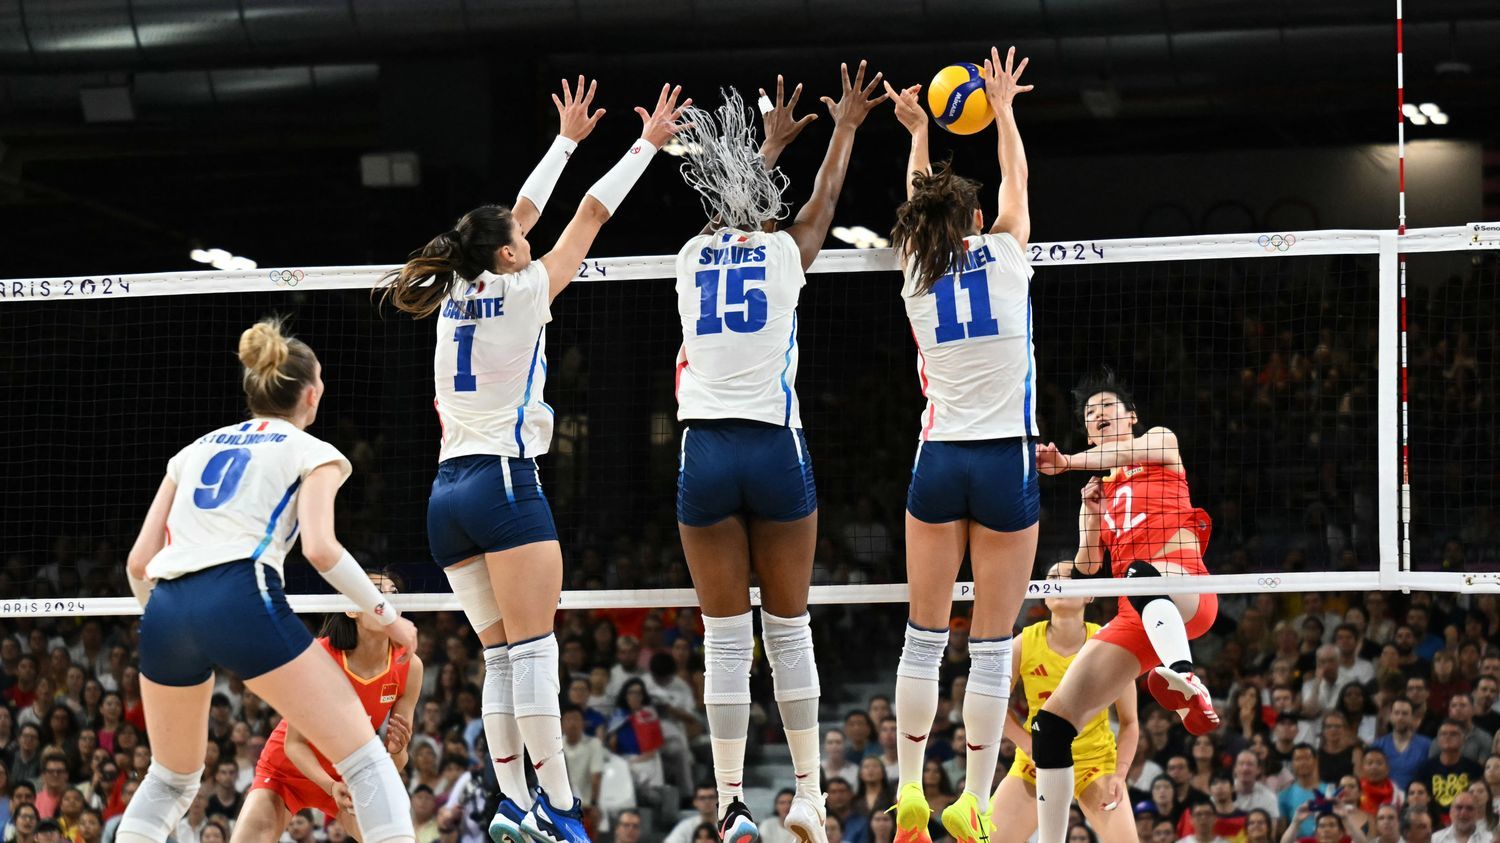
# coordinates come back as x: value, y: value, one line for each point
x: 1347, y: 717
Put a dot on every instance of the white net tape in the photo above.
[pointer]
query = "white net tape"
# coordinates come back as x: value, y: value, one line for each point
x: 1391, y: 574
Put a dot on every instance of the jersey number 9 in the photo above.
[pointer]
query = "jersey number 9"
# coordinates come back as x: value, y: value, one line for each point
x: 221, y: 478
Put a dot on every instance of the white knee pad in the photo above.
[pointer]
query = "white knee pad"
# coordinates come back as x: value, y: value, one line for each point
x: 789, y: 649
x: 471, y: 585
x: 989, y: 667
x: 498, y: 696
x: 381, y: 803
x: 922, y: 656
x: 728, y: 647
x: 534, y: 682
x: 159, y: 804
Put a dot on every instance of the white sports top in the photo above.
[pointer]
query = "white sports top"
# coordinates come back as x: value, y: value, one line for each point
x: 237, y: 495
x: 737, y: 296
x: 974, y: 353
x: 491, y: 364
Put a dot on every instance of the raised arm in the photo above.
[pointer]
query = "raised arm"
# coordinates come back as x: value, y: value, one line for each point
x: 574, y: 124
x: 604, y: 198
x: 1157, y: 446
x: 855, y: 102
x: 913, y: 116
x: 1090, y: 511
x: 1001, y: 84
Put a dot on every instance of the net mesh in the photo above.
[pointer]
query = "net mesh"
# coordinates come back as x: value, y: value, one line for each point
x: 1262, y: 360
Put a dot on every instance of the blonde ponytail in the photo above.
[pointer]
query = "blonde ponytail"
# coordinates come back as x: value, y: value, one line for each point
x: 277, y: 367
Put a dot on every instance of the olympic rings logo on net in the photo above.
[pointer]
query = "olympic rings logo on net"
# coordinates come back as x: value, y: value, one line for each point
x: 1268, y: 582
x: 286, y: 277
x: 1276, y: 242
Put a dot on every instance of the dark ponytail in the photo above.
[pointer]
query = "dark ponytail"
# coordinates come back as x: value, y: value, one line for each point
x: 420, y: 286
x: 1094, y: 383
x: 341, y: 630
x: 932, y: 224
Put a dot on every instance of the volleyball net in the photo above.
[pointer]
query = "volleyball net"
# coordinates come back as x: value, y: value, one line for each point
x: 1275, y: 357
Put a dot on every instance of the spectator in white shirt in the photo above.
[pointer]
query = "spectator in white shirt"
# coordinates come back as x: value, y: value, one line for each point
x: 773, y: 828
x: 1249, y: 793
x: 1352, y: 668
x: 1466, y: 827
x: 1320, y: 692
x: 835, y: 765
x: 627, y: 664
x: 706, y: 800
x: 584, y: 756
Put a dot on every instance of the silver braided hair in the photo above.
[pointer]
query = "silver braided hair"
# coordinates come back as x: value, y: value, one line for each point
x: 724, y: 165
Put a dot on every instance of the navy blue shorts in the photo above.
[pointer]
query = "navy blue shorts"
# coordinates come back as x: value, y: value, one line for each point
x: 233, y: 615
x: 730, y: 467
x: 992, y: 481
x: 483, y: 504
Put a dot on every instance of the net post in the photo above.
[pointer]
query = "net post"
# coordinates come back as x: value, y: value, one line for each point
x: 1387, y: 409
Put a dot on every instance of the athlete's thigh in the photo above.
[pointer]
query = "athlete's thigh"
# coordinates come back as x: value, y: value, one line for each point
x: 167, y: 708
x: 1187, y: 604
x: 1002, y: 565
x: 1014, y: 808
x: 1092, y: 682
x: 527, y: 580
x: 262, y: 818
x: 311, y: 692
x: 934, y: 553
x: 781, y: 553
x: 718, y: 558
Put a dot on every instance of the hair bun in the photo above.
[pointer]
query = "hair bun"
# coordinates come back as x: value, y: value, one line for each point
x: 263, y: 349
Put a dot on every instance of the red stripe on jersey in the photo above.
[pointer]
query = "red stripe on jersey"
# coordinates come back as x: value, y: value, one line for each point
x: 168, y: 528
x: 263, y: 426
x: 442, y: 429
x: 677, y: 379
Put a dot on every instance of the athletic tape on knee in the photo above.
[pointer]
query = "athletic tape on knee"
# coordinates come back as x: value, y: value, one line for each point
x: 728, y: 647
x: 160, y: 802
x: 922, y: 655
x: 471, y: 586
x: 534, y: 681
x: 1052, y: 741
x: 989, y: 668
x: 789, y: 649
x: 381, y: 803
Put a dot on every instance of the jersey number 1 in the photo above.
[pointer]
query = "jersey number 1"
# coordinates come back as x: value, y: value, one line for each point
x: 748, y: 321
x: 464, y: 380
x: 221, y: 478
x: 981, y: 323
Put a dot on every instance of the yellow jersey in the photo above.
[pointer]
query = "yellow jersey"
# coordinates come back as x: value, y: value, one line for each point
x: 1042, y: 669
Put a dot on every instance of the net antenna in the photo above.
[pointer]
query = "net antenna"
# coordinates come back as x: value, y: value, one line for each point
x: 725, y: 166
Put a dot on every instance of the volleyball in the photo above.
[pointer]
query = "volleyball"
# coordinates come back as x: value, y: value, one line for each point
x: 957, y: 101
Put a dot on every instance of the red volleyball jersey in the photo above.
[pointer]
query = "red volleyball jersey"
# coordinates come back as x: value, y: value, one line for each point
x: 1144, y: 506
x: 378, y: 695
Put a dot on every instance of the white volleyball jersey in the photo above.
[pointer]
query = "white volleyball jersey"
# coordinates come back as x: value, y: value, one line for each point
x: 974, y: 353
x: 737, y: 296
x: 491, y: 365
x: 237, y: 495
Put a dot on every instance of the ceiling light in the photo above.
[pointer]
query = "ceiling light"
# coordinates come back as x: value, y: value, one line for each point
x: 241, y: 263
x: 201, y: 256
x: 842, y: 232
x: 1418, y: 120
x: 1440, y: 119
x: 1429, y: 108
x: 1410, y: 109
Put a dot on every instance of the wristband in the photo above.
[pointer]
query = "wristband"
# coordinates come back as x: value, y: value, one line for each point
x: 611, y: 189
x: 538, y: 186
x: 350, y: 579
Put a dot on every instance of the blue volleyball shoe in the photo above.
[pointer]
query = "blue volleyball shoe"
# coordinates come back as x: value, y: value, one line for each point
x: 546, y: 824
x: 506, y: 826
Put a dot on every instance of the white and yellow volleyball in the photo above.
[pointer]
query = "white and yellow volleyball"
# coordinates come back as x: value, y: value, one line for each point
x: 957, y: 101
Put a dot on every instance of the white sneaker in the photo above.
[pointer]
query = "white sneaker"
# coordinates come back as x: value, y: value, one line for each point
x: 806, y: 819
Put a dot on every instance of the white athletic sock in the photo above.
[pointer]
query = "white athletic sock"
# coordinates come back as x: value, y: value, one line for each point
x: 1054, y: 795
x: 1166, y: 631
x: 807, y: 758
x: 727, y: 727
x: 507, y: 750
x: 544, y: 740
x: 534, y: 678
x: 917, y: 697
x: 985, y: 701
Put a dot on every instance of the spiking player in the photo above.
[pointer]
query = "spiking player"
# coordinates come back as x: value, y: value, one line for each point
x: 292, y: 774
x: 488, y: 523
x: 1142, y: 515
x: 745, y: 497
x: 213, y: 542
x: 973, y: 483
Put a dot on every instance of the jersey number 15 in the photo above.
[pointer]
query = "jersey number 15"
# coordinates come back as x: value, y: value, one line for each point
x: 753, y: 300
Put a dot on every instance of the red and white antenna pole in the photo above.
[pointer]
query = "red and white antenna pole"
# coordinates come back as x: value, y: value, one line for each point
x: 1404, y: 562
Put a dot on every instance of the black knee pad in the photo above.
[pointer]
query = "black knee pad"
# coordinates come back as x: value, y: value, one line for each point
x: 1138, y: 570
x: 1052, y: 741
